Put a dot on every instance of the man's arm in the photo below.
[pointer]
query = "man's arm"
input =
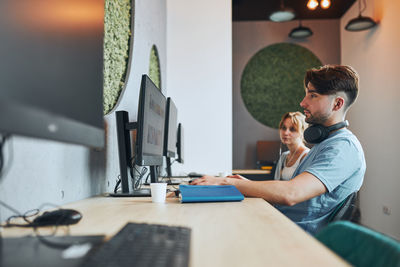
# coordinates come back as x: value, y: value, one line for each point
x: 301, y: 188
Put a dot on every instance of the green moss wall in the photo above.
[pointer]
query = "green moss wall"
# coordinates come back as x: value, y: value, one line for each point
x: 154, y: 67
x: 272, y: 81
x: 117, y: 38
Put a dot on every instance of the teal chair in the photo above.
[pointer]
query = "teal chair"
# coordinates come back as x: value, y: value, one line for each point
x: 359, y: 245
x: 346, y: 210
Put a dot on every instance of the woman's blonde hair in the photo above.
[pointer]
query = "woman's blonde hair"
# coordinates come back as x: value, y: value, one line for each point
x: 298, y: 120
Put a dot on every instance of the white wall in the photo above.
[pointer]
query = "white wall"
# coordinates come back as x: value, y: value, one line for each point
x: 199, y: 71
x: 39, y: 171
x: 374, y: 118
x: 248, y: 38
x: 149, y: 29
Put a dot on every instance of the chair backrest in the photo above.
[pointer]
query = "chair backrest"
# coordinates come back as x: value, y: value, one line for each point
x: 345, y: 209
x: 268, y: 151
x: 360, y: 246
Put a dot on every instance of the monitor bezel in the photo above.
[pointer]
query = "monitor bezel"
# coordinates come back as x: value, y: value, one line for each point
x: 167, y: 138
x: 48, y: 126
x: 141, y: 158
x: 179, y: 143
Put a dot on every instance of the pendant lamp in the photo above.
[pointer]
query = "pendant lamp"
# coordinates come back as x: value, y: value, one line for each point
x: 300, y: 32
x: 283, y: 14
x: 360, y: 23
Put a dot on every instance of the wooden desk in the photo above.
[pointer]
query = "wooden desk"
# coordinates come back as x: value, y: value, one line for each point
x: 247, y: 233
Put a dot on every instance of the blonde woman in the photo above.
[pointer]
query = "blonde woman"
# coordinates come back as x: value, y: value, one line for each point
x: 291, y: 128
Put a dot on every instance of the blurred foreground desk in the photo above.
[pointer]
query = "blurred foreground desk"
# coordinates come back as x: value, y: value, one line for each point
x: 247, y: 233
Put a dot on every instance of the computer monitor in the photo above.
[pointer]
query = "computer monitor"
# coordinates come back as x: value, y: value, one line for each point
x: 148, y: 149
x: 51, y: 72
x: 171, y: 121
x: 179, y: 143
x: 151, y: 123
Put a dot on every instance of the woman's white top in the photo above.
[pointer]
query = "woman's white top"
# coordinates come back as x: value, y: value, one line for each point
x: 286, y: 172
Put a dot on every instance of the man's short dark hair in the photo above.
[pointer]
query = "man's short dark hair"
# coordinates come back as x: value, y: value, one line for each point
x: 330, y: 79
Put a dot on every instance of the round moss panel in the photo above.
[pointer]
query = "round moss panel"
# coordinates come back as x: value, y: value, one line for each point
x: 272, y: 81
x: 117, y: 37
x: 154, y: 67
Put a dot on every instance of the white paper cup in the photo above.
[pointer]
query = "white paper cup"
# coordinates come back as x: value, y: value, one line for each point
x: 158, y: 192
x: 222, y: 174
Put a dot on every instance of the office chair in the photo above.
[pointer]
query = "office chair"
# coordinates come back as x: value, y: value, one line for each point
x: 360, y: 246
x: 268, y: 154
x: 345, y: 210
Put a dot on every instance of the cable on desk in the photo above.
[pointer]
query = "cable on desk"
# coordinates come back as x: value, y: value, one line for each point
x: 146, y: 181
x: 25, y: 216
x: 117, y: 183
x: 9, y: 207
x: 166, y: 173
x: 131, y: 166
x: 138, y: 183
x: 43, y: 239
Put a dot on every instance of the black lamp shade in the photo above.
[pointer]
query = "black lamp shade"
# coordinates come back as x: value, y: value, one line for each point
x: 360, y: 23
x: 300, y: 32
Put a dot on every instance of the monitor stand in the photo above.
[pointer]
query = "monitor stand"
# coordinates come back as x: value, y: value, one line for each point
x: 169, y: 171
x: 153, y: 174
x: 145, y: 192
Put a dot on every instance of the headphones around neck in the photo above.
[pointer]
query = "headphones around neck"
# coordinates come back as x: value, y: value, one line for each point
x: 317, y: 133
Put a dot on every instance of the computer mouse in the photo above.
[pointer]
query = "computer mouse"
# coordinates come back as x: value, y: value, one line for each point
x: 191, y: 180
x: 58, y: 217
x: 195, y: 174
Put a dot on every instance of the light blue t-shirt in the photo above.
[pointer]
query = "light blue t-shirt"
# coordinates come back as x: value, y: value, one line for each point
x: 339, y: 163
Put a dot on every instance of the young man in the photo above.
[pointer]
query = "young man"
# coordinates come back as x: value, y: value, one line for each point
x: 335, y: 166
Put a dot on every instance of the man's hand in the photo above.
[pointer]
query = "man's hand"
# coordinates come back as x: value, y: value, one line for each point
x: 210, y: 180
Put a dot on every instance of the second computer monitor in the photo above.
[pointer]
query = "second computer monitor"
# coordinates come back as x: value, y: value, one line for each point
x: 150, y: 128
x: 179, y: 143
x: 171, y: 122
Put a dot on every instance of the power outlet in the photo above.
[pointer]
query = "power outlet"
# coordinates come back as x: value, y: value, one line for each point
x: 386, y: 210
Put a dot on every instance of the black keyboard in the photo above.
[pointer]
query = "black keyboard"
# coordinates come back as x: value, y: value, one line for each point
x: 144, y: 245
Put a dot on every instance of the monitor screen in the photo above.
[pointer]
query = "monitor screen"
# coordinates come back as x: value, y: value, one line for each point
x: 51, y: 70
x: 171, y: 122
x: 151, y: 121
x: 179, y: 143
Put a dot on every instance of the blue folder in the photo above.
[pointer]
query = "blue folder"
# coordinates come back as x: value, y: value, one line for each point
x: 209, y: 193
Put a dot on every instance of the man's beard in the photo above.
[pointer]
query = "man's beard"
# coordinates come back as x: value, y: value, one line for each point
x: 317, y: 118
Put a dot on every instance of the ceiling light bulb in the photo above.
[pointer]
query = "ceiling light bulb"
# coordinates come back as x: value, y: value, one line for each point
x: 325, y: 4
x: 312, y: 4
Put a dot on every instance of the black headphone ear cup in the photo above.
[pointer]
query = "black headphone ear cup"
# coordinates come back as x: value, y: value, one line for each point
x: 315, y: 134
x: 337, y: 126
x: 324, y: 135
